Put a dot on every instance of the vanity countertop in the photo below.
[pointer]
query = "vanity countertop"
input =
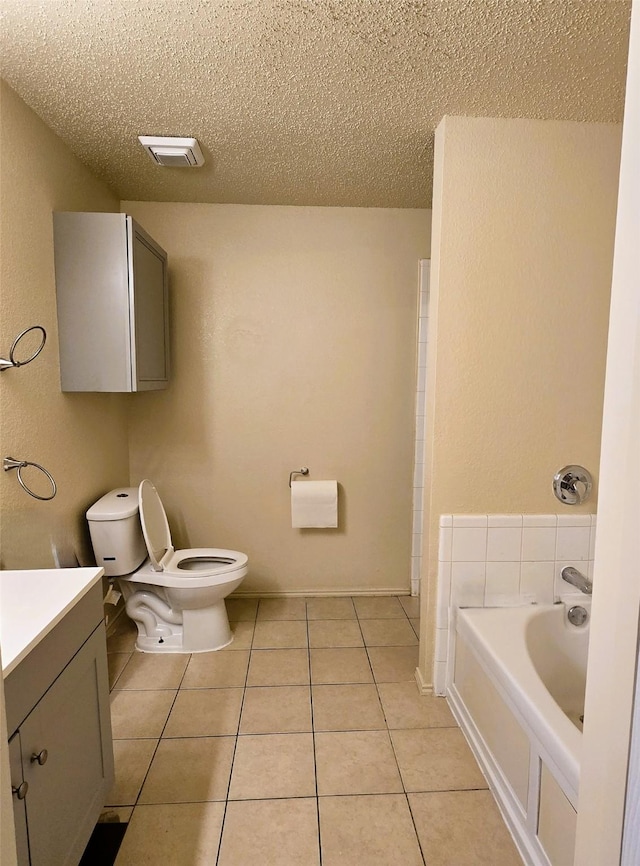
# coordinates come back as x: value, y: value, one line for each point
x: 32, y: 603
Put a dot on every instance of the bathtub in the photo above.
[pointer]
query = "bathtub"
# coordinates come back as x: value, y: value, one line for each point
x: 517, y: 689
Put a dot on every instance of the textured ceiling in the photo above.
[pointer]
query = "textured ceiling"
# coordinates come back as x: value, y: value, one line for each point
x: 312, y: 102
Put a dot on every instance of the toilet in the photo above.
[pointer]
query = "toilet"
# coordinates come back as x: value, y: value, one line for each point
x: 175, y: 597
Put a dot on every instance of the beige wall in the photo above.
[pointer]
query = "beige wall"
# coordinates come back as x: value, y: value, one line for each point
x: 79, y: 438
x: 294, y: 339
x: 523, y: 223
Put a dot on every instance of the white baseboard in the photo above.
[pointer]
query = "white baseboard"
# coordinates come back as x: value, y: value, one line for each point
x: 322, y: 593
x: 423, y: 688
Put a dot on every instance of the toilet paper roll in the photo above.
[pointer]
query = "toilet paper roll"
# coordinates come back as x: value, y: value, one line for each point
x: 314, y: 504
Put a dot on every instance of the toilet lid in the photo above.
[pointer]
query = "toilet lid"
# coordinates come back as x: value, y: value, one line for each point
x: 155, y: 526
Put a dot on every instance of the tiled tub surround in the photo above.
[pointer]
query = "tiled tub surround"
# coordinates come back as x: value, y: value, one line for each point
x: 421, y: 394
x: 303, y: 742
x: 487, y: 560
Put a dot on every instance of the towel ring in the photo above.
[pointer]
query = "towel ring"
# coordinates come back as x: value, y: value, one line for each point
x: 303, y: 471
x: 6, y: 364
x: 10, y: 463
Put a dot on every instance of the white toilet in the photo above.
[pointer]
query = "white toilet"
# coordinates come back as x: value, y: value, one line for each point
x: 176, y: 597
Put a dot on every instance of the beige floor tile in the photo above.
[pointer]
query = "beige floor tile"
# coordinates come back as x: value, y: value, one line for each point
x: 405, y: 707
x: 279, y: 667
x: 388, y: 632
x: 241, y: 608
x: 273, y: 766
x: 216, y: 670
x: 189, y: 770
x: 116, y: 663
x: 282, y: 608
x: 462, y: 828
x: 436, y: 759
x: 139, y: 713
x: 378, y: 607
x: 344, y: 665
x: 242, y: 636
x: 410, y: 605
x: 335, y: 633
x: 360, y: 762
x: 174, y: 835
x: 282, y: 833
x: 132, y: 759
x: 205, y: 713
x: 330, y: 608
x: 153, y: 671
x: 276, y: 710
x: 373, y: 830
x: 394, y: 664
x: 415, y: 625
x: 280, y: 634
x: 347, y: 708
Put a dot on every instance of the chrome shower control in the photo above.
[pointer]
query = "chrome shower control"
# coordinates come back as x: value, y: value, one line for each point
x: 572, y: 484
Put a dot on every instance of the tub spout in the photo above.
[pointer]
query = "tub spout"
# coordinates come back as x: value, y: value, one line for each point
x: 577, y: 579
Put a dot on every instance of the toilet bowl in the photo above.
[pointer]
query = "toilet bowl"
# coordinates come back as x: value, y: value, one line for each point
x: 175, y: 597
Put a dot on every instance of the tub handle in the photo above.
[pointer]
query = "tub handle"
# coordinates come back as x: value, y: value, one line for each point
x: 572, y: 485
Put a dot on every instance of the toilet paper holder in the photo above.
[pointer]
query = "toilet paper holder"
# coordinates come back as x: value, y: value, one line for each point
x: 303, y: 471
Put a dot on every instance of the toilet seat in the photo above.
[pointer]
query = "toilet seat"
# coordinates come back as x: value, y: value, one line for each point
x: 190, y: 568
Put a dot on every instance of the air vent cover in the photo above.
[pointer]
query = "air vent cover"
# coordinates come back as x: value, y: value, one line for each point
x: 172, y: 152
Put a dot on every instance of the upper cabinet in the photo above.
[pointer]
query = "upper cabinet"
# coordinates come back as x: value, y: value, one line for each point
x: 112, y: 299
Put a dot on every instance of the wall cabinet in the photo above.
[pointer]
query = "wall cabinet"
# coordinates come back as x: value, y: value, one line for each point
x: 112, y: 301
x: 60, y: 748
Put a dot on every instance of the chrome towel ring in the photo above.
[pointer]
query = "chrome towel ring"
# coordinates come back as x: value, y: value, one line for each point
x: 11, y: 463
x: 7, y: 363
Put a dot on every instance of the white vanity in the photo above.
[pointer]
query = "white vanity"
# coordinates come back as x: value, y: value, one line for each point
x: 54, y: 667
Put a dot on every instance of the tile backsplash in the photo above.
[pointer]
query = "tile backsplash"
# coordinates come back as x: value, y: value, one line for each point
x: 505, y: 559
x: 420, y: 406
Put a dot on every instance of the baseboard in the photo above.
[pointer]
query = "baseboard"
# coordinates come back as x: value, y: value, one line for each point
x: 322, y: 593
x: 423, y: 688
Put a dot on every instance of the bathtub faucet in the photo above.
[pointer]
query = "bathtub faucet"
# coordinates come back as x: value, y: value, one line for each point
x: 577, y: 579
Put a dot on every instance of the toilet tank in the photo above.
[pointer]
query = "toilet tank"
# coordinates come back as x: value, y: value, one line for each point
x: 116, y: 533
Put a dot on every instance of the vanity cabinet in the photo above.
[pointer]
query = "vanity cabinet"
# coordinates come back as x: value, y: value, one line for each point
x: 60, y: 748
x: 112, y: 302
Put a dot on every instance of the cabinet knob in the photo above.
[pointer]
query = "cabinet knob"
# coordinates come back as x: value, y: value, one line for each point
x: 40, y: 757
x: 21, y: 790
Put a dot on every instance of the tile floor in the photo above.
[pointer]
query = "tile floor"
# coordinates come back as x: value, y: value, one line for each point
x: 305, y: 742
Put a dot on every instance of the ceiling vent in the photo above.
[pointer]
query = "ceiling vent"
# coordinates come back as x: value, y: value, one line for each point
x: 172, y: 152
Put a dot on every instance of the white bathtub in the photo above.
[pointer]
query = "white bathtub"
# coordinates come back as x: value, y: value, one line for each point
x: 517, y: 689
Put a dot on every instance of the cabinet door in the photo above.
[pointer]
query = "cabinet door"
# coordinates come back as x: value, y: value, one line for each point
x: 67, y: 791
x: 150, y: 353
x: 19, y: 811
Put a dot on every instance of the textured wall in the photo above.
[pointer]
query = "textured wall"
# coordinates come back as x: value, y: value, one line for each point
x: 79, y: 438
x: 294, y: 340
x: 524, y: 216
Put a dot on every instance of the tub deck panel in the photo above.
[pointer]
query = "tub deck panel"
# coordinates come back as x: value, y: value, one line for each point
x: 521, y: 734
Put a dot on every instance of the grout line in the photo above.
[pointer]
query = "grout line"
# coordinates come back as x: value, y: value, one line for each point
x: 406, y: 795
x: 313, y: 739
x: 159, y: 739
x: 235, y: 745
